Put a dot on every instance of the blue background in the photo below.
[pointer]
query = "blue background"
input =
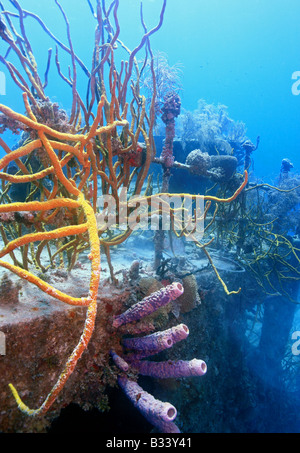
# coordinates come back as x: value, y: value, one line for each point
x: 241, y: 53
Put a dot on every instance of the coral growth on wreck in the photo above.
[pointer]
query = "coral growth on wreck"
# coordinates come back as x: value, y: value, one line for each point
x: 210, y: 128
x: 161, y: 415
x: 66, y: 162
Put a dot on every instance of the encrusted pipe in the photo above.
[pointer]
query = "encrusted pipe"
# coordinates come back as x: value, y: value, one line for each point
x: 158, y: 413
x: 149, y: 304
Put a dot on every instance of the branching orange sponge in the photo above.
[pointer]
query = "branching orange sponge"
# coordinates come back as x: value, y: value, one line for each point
x: 76, y: 201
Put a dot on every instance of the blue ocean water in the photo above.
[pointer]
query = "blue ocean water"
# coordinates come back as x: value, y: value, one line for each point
x: 239, y: 53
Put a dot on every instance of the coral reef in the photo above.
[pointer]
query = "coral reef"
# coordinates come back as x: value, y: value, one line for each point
x: 67, y: 161
x: 161, y: 415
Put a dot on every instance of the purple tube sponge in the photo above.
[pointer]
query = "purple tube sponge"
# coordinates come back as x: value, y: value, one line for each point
x: 119, y: 361
x: 156, y: 342
x: 170, y: 369
x: 158, y: 413
x: 149, y: 304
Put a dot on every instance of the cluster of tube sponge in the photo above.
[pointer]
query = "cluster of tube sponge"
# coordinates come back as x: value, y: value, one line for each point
x: 158, y: 413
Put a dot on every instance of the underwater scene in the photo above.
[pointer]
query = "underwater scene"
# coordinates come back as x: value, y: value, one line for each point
x: 149, y: 216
